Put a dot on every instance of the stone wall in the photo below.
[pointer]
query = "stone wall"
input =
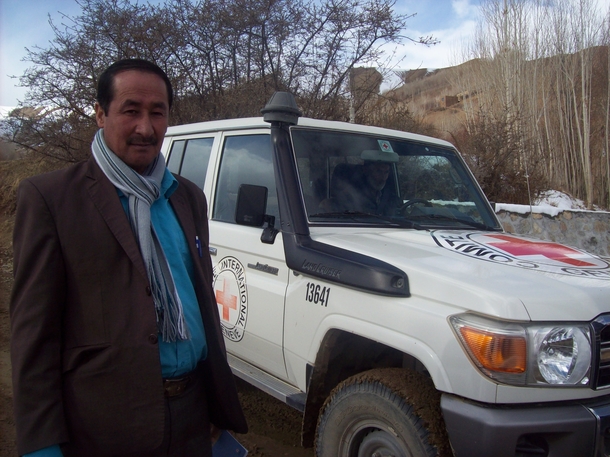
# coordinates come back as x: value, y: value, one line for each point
x: 585, y: 230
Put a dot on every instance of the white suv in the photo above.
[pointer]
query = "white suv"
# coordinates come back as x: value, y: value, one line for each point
x: 395, y: 312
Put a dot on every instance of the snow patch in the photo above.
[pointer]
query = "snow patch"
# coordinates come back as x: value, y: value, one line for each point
x: 5, y: 110
x: 551, y: 203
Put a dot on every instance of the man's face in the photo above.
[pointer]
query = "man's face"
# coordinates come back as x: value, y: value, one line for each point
x: 137, y: 118
x: 377, y: 174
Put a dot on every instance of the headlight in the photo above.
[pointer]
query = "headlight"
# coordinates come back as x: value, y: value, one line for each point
x: 563, y: 354
x: 526, y: 354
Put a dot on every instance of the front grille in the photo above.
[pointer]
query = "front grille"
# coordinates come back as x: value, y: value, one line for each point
x: 601, y: 346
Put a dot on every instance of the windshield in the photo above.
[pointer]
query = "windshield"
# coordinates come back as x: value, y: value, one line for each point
x: 350, y: 178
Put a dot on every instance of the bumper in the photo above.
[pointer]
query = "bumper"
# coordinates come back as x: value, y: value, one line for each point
x: 557, y: 430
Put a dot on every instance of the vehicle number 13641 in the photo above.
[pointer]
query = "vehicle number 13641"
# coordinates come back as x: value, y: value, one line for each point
x: 317, y: 294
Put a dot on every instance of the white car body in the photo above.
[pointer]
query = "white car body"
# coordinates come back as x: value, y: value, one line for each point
x: 276, y: 318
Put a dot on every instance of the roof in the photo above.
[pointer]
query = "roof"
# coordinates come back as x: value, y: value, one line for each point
x: 259, y: 123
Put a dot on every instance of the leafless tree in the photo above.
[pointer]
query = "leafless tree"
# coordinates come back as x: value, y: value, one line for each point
x: 56, y: 118
x: 543, y: 73
x: 224, y: 57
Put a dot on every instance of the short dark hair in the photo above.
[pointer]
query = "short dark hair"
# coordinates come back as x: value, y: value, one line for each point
x: 105, y: 86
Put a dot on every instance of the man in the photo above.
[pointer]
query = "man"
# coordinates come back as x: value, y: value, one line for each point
x: 116, y: 344
x: 362, y: 188
x: 374, y: 196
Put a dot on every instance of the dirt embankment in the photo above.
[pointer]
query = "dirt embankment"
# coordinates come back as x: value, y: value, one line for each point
x: 7, y: 425
x: 274, y: 427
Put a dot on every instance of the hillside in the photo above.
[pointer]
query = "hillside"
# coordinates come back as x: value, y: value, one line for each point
x: 433, y: 96
x: 544, y: 118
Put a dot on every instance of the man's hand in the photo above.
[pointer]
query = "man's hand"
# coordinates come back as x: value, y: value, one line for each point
x: 215, y: 433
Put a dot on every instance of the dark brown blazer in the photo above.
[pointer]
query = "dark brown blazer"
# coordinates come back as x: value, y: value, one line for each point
x: 85, y: 358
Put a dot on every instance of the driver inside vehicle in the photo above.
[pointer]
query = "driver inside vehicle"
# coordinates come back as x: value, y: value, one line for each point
x: 364, y: 188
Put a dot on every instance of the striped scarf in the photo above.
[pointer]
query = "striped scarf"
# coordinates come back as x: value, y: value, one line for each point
x: 141, y: 192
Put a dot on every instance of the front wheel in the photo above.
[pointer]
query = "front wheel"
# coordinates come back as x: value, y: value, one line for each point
x: 387, y: 412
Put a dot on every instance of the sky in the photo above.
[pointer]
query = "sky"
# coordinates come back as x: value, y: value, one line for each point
x: 25, y: 24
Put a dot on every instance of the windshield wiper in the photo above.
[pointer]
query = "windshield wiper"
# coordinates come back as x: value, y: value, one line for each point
x: 354, y: 215
x: 473, y: 224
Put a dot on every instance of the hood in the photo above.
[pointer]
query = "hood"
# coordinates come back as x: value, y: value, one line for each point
x: 493, y: 273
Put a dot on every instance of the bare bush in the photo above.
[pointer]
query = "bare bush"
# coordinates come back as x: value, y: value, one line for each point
x: 502, y: 166
x: 13, y: 171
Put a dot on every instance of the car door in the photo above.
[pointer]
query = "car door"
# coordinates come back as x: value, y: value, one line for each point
x: 250, y: 277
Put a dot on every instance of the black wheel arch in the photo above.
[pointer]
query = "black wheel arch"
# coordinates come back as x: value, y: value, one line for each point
x: 342, y: 355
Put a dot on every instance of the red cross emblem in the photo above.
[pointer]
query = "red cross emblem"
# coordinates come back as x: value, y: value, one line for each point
x: 557, y: 252
x: 226, y: 300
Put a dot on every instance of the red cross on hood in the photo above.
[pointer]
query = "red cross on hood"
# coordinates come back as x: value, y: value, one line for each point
x: 520, y: 248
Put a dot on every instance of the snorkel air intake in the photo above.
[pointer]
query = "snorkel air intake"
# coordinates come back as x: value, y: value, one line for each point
x: 304, y: 255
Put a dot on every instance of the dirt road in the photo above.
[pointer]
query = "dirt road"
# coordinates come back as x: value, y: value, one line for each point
x: 274, y: 427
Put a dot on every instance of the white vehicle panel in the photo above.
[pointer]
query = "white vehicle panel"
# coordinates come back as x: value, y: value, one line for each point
x: 395, y: 282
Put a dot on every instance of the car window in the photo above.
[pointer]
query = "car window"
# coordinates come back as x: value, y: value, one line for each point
x: 246, y: 159
x: 359, y: 178
x: 196, y: 160
x: 175, y: 156
x: 190, y: 158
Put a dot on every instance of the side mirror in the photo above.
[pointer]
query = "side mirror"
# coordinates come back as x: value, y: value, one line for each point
x: 251, y: 205
x: 250, y: 210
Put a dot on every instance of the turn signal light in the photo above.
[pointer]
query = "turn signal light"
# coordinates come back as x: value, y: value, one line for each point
x: 496, y: 352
